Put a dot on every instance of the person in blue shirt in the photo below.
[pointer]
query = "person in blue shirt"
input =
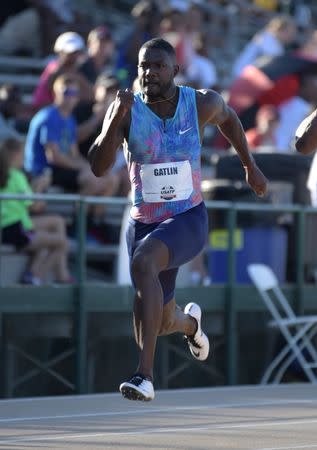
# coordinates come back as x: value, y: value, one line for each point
x: 52, y: 143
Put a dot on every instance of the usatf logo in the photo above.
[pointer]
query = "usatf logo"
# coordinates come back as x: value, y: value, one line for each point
x: 167, y: 193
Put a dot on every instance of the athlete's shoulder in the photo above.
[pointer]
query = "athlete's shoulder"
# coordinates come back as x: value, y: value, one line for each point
x: 209, y: 102
x: 208, y: 97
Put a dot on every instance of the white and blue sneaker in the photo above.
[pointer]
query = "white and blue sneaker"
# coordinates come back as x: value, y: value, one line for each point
x: 137, y: 388
x: 198, y: 343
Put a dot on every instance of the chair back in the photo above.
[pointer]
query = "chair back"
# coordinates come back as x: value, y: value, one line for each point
x: 268, y: 287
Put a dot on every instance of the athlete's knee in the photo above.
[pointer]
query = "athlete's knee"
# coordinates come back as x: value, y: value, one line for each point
x: 142, y: 264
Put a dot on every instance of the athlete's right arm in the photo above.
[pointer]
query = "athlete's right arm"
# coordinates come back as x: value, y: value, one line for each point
x: 306, y: 135
x: 102, y: 153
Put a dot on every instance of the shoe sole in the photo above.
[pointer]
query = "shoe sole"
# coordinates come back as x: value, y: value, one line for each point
x: 132, y: 394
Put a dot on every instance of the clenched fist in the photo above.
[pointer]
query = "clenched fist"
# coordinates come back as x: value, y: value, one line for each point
x: 256, y: 180
x: 123, y: 102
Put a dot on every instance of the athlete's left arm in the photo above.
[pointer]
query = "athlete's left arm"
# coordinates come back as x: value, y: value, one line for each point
x: 213, y: 109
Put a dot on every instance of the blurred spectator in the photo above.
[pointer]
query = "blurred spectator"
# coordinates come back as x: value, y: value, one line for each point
x: 201, y: 72
x: 263, y: 134
x: 90, y: 116
x: 100, y: 50
x: 271, y: 41
x: 56, y: 16
x: 10, y: 101
x: 52, y: 142
x: 29, y: 27
x: 174, y: 28
x: 70, y: 48
x: 44, y: 237
x: 146, y: 17
x: 273, y: 81
x: 15, y: 115
x: 297, y: 8
x: 59, y: 16
x: 196, y: 16
x: 294, y: 110
x: 19, y: 28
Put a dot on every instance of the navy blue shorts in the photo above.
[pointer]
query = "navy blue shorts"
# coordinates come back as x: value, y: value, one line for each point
x: 185, y: 235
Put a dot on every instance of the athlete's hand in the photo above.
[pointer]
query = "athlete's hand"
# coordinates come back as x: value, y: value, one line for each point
x: 123, y: 102
x: 256, y: 180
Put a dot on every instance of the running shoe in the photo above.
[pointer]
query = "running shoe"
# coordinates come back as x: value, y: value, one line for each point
x: 137, y: 388
x: 198, y: 343
x: 29, y: 278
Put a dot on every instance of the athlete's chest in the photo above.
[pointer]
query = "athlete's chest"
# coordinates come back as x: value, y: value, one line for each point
x: 172, y: 139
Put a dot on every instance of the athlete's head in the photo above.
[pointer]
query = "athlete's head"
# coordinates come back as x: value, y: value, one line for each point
x: 157, y: 67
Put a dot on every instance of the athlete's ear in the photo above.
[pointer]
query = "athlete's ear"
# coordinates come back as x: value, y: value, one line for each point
x: 176, y: 69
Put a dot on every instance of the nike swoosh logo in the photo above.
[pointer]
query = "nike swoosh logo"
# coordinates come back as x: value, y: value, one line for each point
x: 196, y: 354
x: 185, y: 131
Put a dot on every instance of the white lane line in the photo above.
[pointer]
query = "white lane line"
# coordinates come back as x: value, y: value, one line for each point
x: 290, y: 448
x: 182, y: 429
x: 166, y: 409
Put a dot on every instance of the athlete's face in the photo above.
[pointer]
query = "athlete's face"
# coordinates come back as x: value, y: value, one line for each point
x: 156, y: 72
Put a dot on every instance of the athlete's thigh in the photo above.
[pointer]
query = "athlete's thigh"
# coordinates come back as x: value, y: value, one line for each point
x: 184, y: 234
x: 153, y: 251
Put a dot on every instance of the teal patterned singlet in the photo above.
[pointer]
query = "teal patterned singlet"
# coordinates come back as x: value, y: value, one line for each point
x: 163, y: 158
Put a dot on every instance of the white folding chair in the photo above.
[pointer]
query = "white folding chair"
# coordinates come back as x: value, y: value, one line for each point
x: 298, y: 331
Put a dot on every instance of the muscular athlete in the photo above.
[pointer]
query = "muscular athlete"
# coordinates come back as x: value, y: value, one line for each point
x: 161, y: 128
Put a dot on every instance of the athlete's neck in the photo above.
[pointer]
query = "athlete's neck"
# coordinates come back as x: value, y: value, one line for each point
x: 168, y: 96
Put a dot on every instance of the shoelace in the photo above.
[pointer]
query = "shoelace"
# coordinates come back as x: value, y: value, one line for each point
x: 192, y: 341
x: 137, y: 380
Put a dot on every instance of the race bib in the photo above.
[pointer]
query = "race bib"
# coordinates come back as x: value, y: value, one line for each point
x: 170, y: 181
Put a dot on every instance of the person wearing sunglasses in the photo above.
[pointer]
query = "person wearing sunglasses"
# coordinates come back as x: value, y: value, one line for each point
x: 51, y: 143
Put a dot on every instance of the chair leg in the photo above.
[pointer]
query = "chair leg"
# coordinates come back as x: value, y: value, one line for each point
x: 274, y: 364
x: 296, y: 344
x: 305, y: 343
x: 308, y: 344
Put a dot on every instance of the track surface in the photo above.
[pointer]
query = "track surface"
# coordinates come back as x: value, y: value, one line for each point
x: 280, y: 417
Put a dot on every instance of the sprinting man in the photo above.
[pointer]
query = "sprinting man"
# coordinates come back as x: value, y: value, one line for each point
x: 161, y: 128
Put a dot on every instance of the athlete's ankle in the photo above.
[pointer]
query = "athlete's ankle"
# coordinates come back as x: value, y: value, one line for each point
x: 145, y: 375
x: 193, y: 326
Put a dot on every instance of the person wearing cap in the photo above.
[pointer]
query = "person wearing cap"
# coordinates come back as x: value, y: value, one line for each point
x: 100, y: 49
x: 69, y: 48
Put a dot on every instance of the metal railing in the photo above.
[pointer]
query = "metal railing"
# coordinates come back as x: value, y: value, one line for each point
x: 231, y: 213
